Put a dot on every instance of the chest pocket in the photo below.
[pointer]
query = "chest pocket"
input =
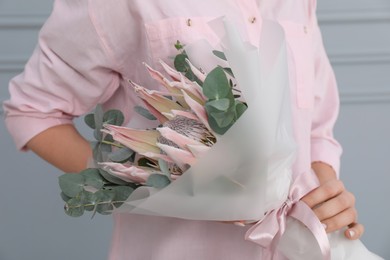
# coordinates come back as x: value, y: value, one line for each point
x: 299, y: 41
x: 163, y: 34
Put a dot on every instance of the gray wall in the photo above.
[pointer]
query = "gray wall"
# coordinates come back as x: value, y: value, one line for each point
x: 357, y: 37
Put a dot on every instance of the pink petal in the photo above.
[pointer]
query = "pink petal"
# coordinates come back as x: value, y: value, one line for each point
x: 161, y: 79
x: 160, y: 116
x: 179, y: 156
x: 200, y: 75
x: 175, y: 75
x: 198, y: 150
x: 192, y: 89
x: 181, y: 140
x: 198, y: 109
x: 129, y: 173
x: 158, y: 156
x: 182, y: 113
x: 141, y: 141
x: 156, y: 99
x: 145, y: 136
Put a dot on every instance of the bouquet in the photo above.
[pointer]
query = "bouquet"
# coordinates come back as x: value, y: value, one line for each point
x: 222, y: 142
x: 192, y: 112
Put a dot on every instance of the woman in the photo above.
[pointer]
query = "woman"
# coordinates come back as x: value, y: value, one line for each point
x: 89, y: 49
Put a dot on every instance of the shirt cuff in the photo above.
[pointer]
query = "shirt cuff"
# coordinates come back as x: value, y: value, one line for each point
x: 327, y: 152
x: 23, y: 128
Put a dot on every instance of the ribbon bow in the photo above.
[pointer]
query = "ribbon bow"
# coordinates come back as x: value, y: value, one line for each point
x: 269, y: 230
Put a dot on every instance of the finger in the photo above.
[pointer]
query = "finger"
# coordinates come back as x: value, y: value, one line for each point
x: 323, y: 193
x: 335, y: 205
x: 341, y: 220
x: 354, y: 231
x: 240, y: 223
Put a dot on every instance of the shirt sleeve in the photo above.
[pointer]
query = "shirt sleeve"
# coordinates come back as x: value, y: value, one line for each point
x: 324, y: 146
x: 69, y: 72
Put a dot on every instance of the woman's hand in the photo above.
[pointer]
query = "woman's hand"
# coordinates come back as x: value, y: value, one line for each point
x: 333, y: 204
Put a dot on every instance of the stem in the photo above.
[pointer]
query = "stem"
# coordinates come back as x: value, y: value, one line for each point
x: 95, y: 204
x: 113, y: 144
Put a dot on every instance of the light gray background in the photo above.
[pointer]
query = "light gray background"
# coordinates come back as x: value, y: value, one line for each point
x: 357, y: 38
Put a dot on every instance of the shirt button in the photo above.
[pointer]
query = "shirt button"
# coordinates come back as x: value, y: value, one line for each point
x: 305, y: 29
x: 189, y: 22
x: 252, y: 19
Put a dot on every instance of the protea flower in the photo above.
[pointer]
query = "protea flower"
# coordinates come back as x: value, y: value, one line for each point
x: 184, y: 133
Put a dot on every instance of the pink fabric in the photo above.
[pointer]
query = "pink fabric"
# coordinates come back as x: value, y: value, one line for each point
x: 271, y: 228
x: 88, y: 50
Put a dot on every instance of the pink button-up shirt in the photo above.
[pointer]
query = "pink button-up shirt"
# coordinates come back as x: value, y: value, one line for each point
x: 88, y: 50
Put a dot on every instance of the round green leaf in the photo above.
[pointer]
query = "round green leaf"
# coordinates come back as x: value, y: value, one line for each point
x: 104, y: 200
x: 180, y: 63
x: 113, y: 117
x: 71, y: 184
x: 122, y: 193
x: 240, y: 108
x: 219, y: 104
x: 90, y: 120
x: 164, y: 168
x: 88, y: 200
x: 216, y: 128
x: 158, y: 181
x: 93, y: 178
x: 216, y: 84
x: 64, y: 197
x: 121, y: 155
x: 98, y: 117
x: 222, y: 118
x: 101, y: 151
x: 111, y: 179
x: 74, y: 207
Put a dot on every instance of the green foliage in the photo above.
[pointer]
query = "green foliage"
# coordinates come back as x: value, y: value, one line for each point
x: 113, y: 117
x: 163, y: 165
x: 121, y: 194
x: 220, y: 55
x: 222, y: 108
x: 105, y: 197
x: 158, y: 181
x: 216, y: 85
x: 179, y: 46
x: 93, y: 178
x: 110, y: 178
x: 71, y: 184
x: 90, y: 120
x: 144, y: 112
x: 122, y: 155
x: 74, y: 207
x: 97, y: 119
x: 181, y: 64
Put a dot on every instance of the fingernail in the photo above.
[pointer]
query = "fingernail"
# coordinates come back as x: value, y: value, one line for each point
x: 325, y: 226
x: 351, y: 233
x: 240, y: 224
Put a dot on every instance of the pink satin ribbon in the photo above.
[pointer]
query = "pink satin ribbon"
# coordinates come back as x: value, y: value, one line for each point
x: 269, y: 230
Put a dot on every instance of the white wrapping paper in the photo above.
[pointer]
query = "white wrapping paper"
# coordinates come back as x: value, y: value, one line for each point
x: 299, y: 243
x: 248, y: 170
